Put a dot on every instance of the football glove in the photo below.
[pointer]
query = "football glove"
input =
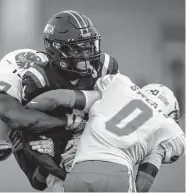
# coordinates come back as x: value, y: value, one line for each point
x: 45, y: 146
x: 75, y: 123
x: 6, y: 150
x: 70, y: 152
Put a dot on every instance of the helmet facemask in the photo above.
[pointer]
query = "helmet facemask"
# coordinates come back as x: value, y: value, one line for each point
x: 78, y: 58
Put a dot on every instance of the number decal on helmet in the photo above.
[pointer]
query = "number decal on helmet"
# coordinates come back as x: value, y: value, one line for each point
x: 154, y: 92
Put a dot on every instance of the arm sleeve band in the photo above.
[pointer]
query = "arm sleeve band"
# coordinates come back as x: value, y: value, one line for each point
x: 143, y: 181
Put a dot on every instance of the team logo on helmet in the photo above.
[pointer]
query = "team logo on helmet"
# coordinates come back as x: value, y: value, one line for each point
x: 27, y: 59
x: 49, y: 29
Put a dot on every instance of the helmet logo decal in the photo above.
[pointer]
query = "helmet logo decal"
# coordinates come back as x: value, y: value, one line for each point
x: 49, y: 29
x: 26, y: 59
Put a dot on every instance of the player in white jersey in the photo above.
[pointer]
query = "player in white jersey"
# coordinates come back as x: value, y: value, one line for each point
x: 13, y: 66
x: 16, y: 119
x: 12, y: 114
x: 125, y: 127
x: 149, y: 167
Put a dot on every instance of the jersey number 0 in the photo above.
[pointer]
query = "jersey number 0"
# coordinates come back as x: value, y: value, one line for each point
x: 129, y: 118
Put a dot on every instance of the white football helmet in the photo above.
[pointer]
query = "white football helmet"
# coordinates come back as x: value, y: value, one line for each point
x: 165, y: 99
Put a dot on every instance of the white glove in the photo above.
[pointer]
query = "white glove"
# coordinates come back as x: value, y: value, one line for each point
x: 45, y: 146
x: 75, y: 123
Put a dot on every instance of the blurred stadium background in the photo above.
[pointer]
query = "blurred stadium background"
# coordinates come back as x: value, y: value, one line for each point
x: 147, y: 37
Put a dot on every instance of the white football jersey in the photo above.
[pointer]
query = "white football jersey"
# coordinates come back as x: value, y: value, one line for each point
x: 11, y: 84
x: 13, y: 66
x: 124, y: 125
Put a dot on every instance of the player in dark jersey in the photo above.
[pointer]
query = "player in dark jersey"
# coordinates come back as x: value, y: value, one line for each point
x: 76, y: 61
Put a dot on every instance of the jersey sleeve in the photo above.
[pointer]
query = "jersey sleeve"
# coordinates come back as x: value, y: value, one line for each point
x: 34, y: 80
x: 110, y: 65
x: 11, y: 84
x: 155, y: 157
x: 174, y: 148
x: 48, y: 101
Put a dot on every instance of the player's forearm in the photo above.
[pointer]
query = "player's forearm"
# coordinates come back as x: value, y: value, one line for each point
x: 145, y: 177
x: 18, y: 117
x: 48, y: 101
x: 39, y: 179
x: 32, y: 120
x: 148, y: 169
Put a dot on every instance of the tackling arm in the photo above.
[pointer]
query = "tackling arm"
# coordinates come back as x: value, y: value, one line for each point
x: 174, y: 148
x: 148, y: 170
x: 19, y: 117
x: 81, y: 100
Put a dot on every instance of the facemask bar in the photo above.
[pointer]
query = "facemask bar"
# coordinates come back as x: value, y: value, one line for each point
x: 72, y: 51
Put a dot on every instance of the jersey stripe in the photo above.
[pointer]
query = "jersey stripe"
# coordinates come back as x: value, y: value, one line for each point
x: 84, y: 23
x: 42, y: 72
x: 37, y: 77
x: 34, y: 78
x: 105, y: 64
x: 76, y: 19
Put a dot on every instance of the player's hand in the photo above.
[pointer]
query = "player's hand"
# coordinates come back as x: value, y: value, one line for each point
x: 75, y: 123
x: 45, y: 146
x: 70, y: 152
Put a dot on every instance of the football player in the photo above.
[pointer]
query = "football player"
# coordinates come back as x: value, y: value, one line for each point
x: 15, y: 115
x: 21, y: 120
x: 125, y: 127
x: 74, y: 61
x: 149, y: 166
x: 72, y: 45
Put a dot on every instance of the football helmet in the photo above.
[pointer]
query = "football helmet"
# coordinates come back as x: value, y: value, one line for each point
x: 72, y: 42
x: 165, y: 98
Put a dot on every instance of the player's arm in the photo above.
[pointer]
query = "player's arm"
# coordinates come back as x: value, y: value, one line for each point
x: 48, y: 101
x: 148, y: 170
x: 174, y: 148
x: 39, y: 179
x: 19, y: 117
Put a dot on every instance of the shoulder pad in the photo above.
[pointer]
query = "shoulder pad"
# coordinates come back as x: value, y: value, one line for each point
x: 38, y: 75
x: 11, y: 84
x: 110, y: 65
